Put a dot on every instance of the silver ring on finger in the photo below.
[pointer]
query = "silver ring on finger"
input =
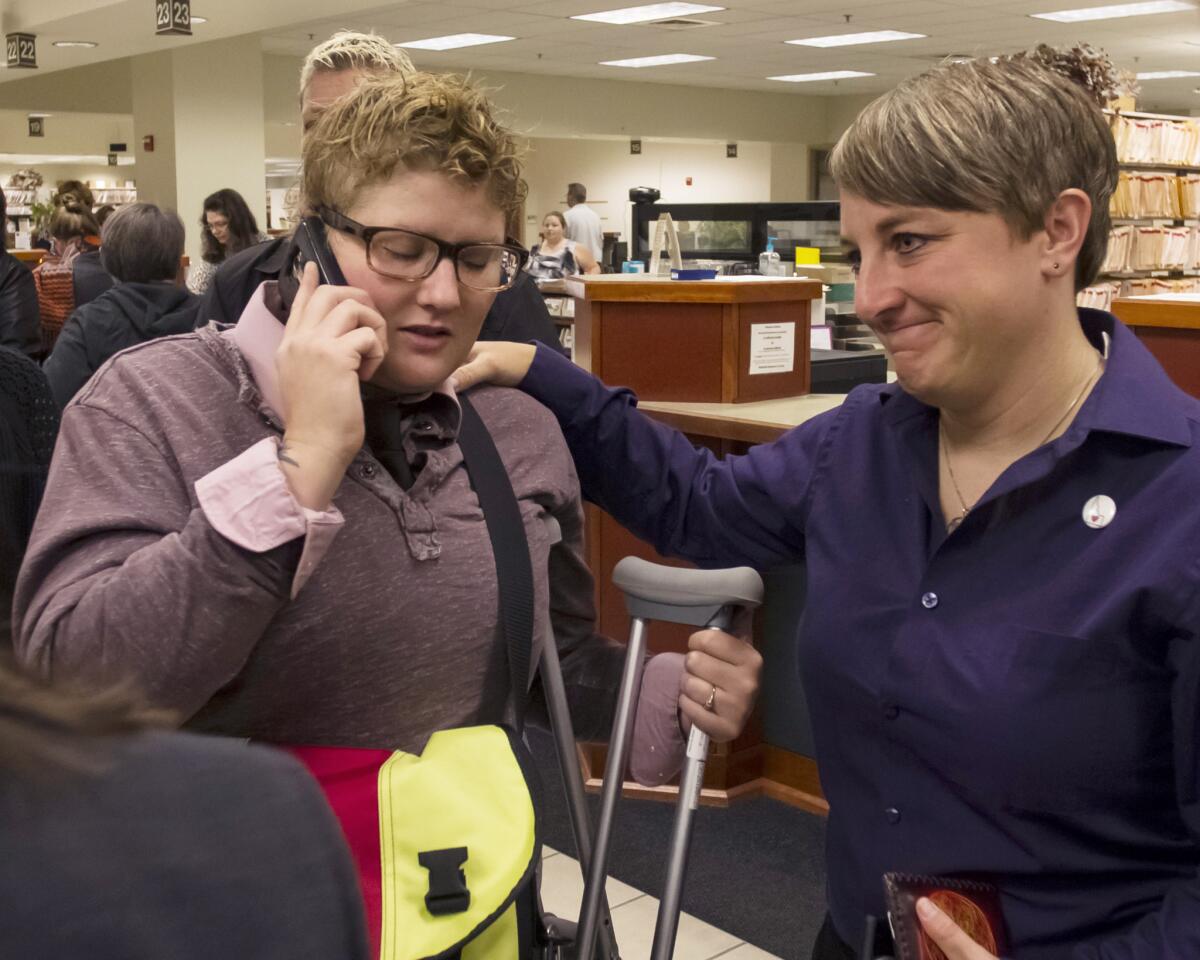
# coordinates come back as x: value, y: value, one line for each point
x: 711, y: 703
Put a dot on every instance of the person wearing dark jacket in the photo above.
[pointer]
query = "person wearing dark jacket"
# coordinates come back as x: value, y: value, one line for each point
x: 120, y: 840
x: 141, y: 249
x: 518, y: 313
x: 18, y: 301
x: 91, y: 279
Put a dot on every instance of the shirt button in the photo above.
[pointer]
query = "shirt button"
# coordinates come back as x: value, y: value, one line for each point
x: 892, y: 814
x: 367, y: 471
x: 425, y: 425
x: 929, y: 600
x: 891, y: 711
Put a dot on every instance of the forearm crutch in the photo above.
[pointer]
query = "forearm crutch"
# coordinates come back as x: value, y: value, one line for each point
x: 702, y: 598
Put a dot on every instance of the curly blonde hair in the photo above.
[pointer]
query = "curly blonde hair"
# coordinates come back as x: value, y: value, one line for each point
x: 429, y: 122
x: 348, y: 50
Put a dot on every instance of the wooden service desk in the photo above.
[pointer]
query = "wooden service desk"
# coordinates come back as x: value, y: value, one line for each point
x: 750, y: 765
x: 727, y: 340
x: 1169, y: 326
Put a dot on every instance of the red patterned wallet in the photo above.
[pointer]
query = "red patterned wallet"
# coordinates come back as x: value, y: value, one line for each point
x: 972, y: 905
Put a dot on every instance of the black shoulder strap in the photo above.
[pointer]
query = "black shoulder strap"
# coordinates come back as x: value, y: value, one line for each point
x: 514, y: 570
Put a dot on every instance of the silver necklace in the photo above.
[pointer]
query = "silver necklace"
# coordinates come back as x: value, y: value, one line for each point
x: 954, y: 522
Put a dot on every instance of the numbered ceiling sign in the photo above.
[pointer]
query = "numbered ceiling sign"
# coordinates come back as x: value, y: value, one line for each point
x: 173, y: 17
x: 22, y: 50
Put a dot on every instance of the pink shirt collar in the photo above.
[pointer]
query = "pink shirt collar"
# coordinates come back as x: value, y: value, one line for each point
x: 257, y: 336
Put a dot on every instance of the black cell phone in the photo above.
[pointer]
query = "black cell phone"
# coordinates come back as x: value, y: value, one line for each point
x: 310, y: 240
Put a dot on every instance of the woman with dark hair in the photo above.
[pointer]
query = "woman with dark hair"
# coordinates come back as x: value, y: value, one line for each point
x: 73, y: 231
x: 228, y: 227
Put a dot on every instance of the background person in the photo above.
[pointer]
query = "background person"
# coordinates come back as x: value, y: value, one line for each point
x: 28, y: 426
x: 141, y: 250
x: 124, y: 841
x: 91, y: 279
x: 556, y: 256
x: 1001, y: 643
x: 227, y: 227
x: 331, y: 70
x: 73, y: 231
x: 583, y: 223
x: 19, y: 317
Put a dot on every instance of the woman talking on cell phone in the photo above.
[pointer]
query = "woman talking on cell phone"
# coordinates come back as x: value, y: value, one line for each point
x: 270, y: 528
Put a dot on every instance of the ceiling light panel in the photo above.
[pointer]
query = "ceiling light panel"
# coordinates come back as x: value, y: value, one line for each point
x: 647, y: 13
x: 87, y: 44
x: 827, y: 75
x: 1168, y: 74
x: 1114, y: 11
x: 851, y: 39
x: 663, y: 61
x: 454, y: 41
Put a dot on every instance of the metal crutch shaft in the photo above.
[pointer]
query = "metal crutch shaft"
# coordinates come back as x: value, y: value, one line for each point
x: 568, y: 765
x: 666, y: 927
x: 614, y: 773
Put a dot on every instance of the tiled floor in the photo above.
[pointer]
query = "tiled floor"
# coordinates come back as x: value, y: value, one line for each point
x: 634, y: 914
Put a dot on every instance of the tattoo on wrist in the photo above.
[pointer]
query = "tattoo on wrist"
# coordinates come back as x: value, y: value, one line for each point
x: 284, y: 457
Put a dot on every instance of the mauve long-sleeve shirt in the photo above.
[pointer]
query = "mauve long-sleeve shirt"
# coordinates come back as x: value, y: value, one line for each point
x: 169, y: 552
x: 1017, y: 701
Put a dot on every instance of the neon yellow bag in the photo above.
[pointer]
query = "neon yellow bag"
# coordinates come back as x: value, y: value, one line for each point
x: 459, y: 846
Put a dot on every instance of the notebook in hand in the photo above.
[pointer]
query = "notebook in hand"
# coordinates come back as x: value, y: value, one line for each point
x: 972, y: 905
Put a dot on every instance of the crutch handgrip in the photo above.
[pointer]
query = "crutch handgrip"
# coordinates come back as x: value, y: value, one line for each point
x: 654, y: 591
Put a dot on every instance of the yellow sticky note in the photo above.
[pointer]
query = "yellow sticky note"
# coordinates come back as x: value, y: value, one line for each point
x: 808, y: 255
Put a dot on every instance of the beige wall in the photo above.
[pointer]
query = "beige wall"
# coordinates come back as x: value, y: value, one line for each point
x: 65, y: 133
x: 98, y: 88
x: 203, y: 105
x: 608, y: 170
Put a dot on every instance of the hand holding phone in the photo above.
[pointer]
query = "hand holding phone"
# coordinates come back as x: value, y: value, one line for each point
x: 335, y: 339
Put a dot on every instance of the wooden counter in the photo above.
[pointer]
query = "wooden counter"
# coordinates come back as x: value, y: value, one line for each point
x: 748, y: 766
x: 699, y: 341
x: 1169, y: 326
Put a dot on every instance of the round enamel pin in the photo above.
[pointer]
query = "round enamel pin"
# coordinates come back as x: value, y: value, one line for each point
x: 1099, y: 512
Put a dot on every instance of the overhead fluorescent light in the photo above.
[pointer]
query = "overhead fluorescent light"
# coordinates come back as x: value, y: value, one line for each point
x: 662, y: 61
x: 454, y: 41
x: 39, y: 116
x: 199, y: 19
x: 850, y: 39
x: 647, y: 13
x: 1167, y: 74
x: 76, y: 43
x: 827, y: 75
x: 1116, y: 10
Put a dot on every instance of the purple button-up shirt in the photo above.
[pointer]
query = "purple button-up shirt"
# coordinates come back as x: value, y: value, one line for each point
x: 1018, y: 701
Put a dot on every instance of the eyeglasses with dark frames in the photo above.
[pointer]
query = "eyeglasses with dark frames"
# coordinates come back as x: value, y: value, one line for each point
x: 407, y: 255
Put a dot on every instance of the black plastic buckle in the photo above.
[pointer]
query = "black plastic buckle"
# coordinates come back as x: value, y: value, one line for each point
x: 448, y: 891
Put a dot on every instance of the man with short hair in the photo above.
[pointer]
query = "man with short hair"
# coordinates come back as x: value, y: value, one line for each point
x: 583, y: 223
x: 140, y: 249
x: 331, y: 70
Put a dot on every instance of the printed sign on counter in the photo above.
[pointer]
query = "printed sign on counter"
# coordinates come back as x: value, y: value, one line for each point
x: 772, y: 348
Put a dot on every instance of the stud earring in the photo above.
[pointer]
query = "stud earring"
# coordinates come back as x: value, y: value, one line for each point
x: 1056, y: 266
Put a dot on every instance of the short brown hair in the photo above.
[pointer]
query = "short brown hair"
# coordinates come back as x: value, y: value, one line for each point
x: 434, y: 122
x: 347, y: 50
x: 1004, y: 136
x: 142, y: 244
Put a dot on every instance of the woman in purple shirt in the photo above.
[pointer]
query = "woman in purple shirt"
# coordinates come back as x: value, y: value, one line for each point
x: 1000, y: 648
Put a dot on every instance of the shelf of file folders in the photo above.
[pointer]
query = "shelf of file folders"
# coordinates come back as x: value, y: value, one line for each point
x: 1151, y: 139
